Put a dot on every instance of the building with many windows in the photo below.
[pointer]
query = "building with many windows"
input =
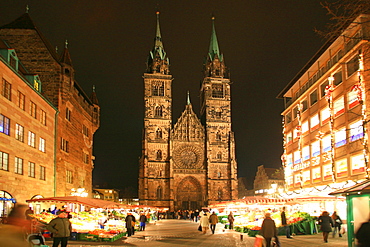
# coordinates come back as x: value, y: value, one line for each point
x: 27, y: 133
x: 325, y: 122
x: 192, y: 163
x: 53, y: 96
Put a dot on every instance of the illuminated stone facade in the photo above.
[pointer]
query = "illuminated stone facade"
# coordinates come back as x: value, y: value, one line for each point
x: 326, y: 115
x: 191, y: 164
x: 70, y: 156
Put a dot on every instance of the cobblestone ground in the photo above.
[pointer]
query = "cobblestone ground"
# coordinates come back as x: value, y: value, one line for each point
x: 172, y: 233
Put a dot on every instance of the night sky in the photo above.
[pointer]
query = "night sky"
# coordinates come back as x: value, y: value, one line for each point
x: 265, y: 43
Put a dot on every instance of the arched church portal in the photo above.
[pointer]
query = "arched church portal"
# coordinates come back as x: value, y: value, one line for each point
x: 189, y: 194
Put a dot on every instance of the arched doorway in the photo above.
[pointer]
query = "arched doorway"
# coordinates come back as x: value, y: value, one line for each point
x: 189, y: 194
x: 6, y: 203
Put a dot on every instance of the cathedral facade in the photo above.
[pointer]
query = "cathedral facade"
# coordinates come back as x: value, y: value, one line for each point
x: 192, y: 163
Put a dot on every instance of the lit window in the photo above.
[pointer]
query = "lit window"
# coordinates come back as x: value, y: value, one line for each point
x: 33, y: 109
x: 326, y: 143
x: 4, y: 161
x: 340, y: 138
x: 289, y: 159
x: 19, y: 132
x: 327, y: 170
x: 31, y: 169
x: 4, y: 125
x: 358, y: 164
x: 6, y: 90
x: 306, y: 153
x: 353, y: 99
x: 42, y: 117
x: 69, y: 176
x: 325, y: 115
x: 356, y: 131
x: 31, y: 139
x: 42, y: 173
x: 18, y: 166
x: 42, y: 145
x: 341, y: 168
x: 316, y: 174
x: 305, y: 127
x: 306, y: 177
x: 21, y: 100
x: 315, y: 148
x: 314, y: 122
x: 297, y: 157
x: 339, y: 106
x: 289, y: 138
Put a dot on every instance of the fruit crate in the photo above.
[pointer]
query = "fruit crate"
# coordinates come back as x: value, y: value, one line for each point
x: 88, y: 237
x: 114, y: 238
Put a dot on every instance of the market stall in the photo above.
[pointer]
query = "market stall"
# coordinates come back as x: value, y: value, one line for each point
x: 92, y: 219
x: 249, y: 212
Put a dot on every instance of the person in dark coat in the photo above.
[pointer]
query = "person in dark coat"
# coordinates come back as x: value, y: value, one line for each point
x: 268, y: 229
x: 130, y: 223
x: 61, y: 229
x: 142, y: 219
x: 230, y: 218
x: 213, y: 220
x: 363, y: 234
x: 326, y: 223
x: 285, y: 224
x: 337, y: 224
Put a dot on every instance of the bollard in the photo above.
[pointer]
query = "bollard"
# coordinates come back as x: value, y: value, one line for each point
x: 241, y: 237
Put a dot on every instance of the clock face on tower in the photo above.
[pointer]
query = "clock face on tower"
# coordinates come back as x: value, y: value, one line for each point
x: 188, y: 157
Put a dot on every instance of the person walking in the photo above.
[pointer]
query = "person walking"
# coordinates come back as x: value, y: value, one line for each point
x: 213, y: 220
x: 326, y: 223
x: 230, y: 218
x: 268, y: 229
x: 285, y: 224
x: 142, y: 219
x: 130, y: 223
x: 61, y: 228
x: 362, y: 234
x: 337, y: 224
x: 204, y: 221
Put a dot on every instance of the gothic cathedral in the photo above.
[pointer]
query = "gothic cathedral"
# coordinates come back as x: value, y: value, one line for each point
x: 192, y: 163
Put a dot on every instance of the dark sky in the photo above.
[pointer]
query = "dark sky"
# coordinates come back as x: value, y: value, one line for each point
x: 265, y: 43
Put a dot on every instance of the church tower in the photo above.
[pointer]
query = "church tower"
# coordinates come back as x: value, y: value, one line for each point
x: 154, y: 170
x: 216, y: 117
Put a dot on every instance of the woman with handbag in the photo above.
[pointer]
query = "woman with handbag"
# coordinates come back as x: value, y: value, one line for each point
x: 337, y: 224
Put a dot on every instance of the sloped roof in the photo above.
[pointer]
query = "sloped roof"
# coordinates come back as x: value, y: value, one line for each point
x: 25, y: 22
x: 360, y: 188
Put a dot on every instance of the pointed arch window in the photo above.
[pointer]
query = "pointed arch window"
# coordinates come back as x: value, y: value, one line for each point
x: 218, y: 136
x: 219, y: 155
x: 158, y: 134
x: 159, y: 155
x: 219, y: 194
x: 158, y: 88
x: 158, y: 111
x: 159, y: 193
x: 217, y: 91
x: 218, y: 113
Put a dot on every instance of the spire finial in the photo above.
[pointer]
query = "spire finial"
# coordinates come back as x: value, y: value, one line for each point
x: 188, y: 100
x: 27, y: 8
x: 56, y: 49
x: 94, y: 88
x: 66, y: 44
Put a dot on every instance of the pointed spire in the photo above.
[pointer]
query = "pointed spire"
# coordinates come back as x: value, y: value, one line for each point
x: 66, y: 57
x: 188, y: 99
x: 158, y: 61
x: 213, y: 46
x: 93, y: 97
x: 27, y: 8
x: 158, y: 37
